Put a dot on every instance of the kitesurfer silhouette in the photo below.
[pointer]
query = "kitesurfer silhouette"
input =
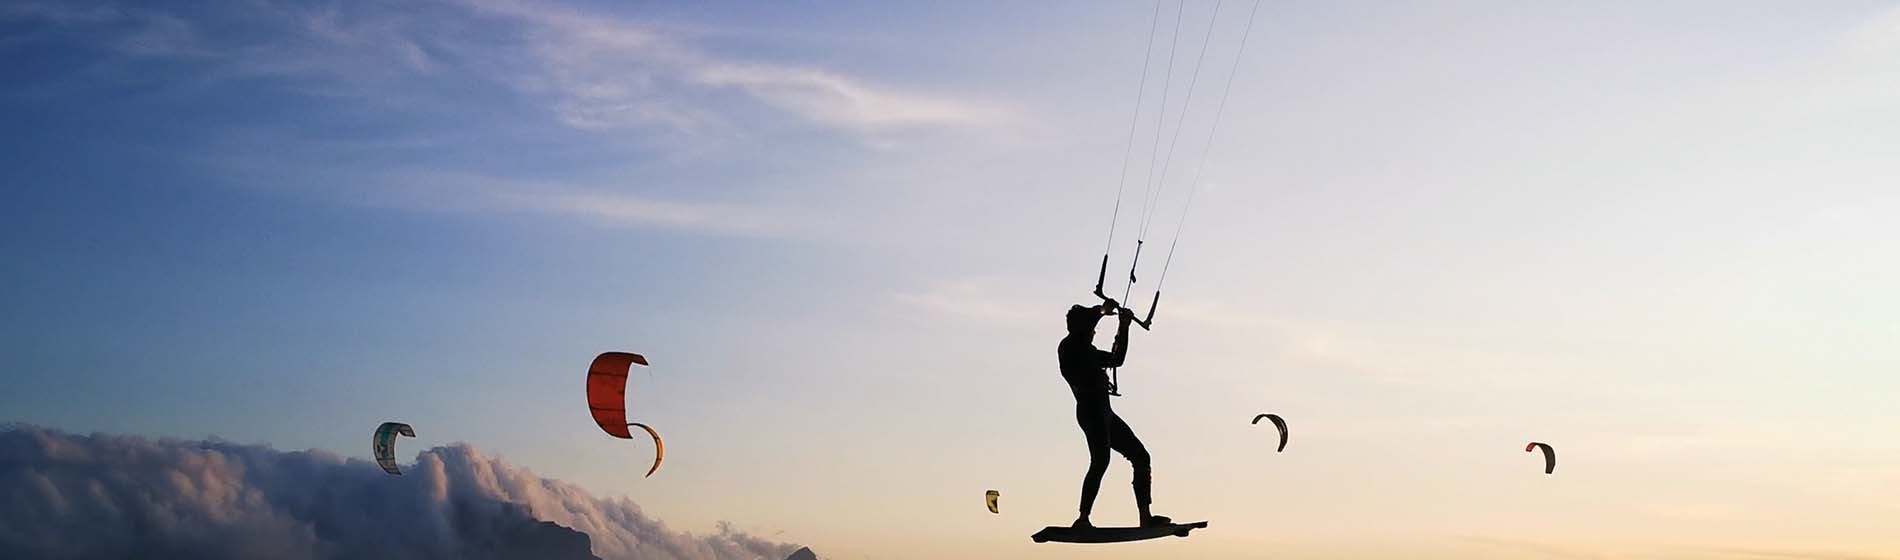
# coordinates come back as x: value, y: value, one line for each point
x: 1082, y: 367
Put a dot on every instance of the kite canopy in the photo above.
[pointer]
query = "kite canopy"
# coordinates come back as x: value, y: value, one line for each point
x: 1550, y: 455
x: 383, y: 444
x: 607, y: 391
x: 989, y: 498
x: 1277, y: 423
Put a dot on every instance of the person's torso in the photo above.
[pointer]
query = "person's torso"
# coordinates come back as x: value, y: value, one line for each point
x: 1087, y: 380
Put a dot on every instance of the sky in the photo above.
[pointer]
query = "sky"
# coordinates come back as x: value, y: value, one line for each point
x: 1656, y: 236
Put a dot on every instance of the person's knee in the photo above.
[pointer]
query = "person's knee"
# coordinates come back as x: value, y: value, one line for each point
x: 1139, y: 458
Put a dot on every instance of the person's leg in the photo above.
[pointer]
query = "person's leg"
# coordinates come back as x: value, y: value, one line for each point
x: 1123, y: 440
x: 1095, y: 427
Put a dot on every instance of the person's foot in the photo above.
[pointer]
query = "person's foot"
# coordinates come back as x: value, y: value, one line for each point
x: 1156, y: 521
x: 1081, y: 523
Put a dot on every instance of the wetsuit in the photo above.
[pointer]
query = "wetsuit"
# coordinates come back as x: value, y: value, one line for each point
x: 1082, y: 367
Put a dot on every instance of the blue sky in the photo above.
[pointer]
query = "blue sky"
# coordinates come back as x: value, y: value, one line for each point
x: 1653, y: 235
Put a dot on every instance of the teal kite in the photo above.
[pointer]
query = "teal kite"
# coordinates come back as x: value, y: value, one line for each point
x: 384, y: 444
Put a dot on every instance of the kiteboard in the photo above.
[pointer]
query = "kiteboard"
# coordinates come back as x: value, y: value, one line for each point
x: 1096, y: 535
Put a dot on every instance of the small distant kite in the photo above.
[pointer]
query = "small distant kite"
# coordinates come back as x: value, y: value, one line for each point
x: 1277, y: 423
x: 607, y: 399
x: 1550, y: 455
x: 989, y: 498
x: 383, y: 444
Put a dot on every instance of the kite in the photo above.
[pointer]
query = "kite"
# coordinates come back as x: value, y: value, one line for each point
x: 383, y: 444
x: 1277, y: 423
x: 607, y: 399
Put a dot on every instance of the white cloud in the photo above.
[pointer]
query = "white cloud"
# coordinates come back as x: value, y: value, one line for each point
x: 462, y: 192
x: 985, y: 300
x: 832, y: 99
x: 638, y: 90
x: 626, y: 209
x: 613, y: 73
x: 591, y: 71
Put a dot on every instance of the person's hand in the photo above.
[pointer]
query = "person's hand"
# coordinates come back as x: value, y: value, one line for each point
x: 1127, y: 316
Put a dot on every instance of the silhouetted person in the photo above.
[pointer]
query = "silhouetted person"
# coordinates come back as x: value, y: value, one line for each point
x: 1082, y: 367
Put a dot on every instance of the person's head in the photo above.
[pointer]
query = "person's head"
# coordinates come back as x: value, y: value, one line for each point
x: 1082, y: 320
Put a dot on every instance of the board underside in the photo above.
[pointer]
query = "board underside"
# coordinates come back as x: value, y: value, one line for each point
x: 1098, y: 535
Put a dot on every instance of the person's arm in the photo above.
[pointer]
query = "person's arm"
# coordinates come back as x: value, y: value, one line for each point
x: 1119, y: 353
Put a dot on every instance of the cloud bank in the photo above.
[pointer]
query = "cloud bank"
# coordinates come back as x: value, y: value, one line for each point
x: 105, y: 496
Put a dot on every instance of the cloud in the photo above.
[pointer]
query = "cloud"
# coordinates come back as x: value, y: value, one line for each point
x: 832, y: 99
x: 634, y: 210
x: 992, y: 300
x: 427, y: 190
x: 609, y: 72
x: 564, y: 102
x: 589, y: 70
x: 106, y: 496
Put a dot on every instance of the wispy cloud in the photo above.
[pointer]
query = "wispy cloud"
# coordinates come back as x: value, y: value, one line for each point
x: 989, y: 300
x: 832, y: 99
x: 592, y: 71
x: 606, y: 72
x: 603, y: 205
x: 626, y: 209
x: 473, y: 73
x: 611, y: 73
